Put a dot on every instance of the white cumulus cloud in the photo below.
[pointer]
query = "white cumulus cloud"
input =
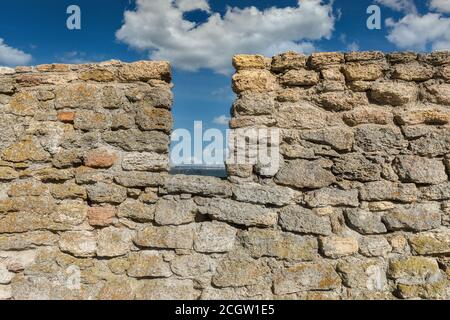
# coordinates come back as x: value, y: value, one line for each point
x: 440, y: 5
x: 429, y: 31
x: 160, y: 27
x: 399, y: 5
x: 420, y: 32
x: 222, y: 120
x: 12, y: 57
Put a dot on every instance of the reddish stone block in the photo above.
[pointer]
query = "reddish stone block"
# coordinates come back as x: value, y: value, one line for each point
x: 66, y: 117
x: 101, y: 216
x: 100, y: 159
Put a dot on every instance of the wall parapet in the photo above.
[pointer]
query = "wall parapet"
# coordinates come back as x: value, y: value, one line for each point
x: 358, y: 209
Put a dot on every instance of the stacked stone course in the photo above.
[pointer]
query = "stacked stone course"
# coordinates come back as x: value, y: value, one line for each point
x: 359, y: 208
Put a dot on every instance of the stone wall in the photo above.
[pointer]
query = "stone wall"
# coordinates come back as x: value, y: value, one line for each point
x: 359, y: 208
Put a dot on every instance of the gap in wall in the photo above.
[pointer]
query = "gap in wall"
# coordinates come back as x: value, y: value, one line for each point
x: 202, y: 98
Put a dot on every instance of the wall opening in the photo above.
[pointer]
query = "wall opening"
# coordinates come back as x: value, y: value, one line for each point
x: 201, y: 111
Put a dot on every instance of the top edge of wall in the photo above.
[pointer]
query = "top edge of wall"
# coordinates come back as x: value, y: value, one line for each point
x: 293, y: 60
x: 107, y: 71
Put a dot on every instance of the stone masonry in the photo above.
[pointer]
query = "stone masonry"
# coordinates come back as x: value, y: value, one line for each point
x: 359, y: 208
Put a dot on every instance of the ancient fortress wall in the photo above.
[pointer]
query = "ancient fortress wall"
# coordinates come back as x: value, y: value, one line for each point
x: 359, y: 207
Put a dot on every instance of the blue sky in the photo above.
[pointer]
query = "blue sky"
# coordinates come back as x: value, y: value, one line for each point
x: 35, y: 32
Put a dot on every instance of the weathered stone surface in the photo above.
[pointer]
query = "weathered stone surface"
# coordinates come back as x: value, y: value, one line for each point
x: 281, y: 245
x: 78, y: 243
x: 8, y: 174
x: 364, y: 221
x: 24, y: 104
x: 374, y: 246
x: 337, y: 247
x: 23, y: 241
x: 363, y: 56
x: 27, y: 150
x: 414, y: 270
x: 401, y: 57
x: 238, y: 271
x: 368, y: 115
x: 206, y: 186
x: 288, y: 60
x: 434, y: 143
x: 437, y: 192
x: 438, y: 93
x: 304, y: 174
x: 298, y: 219
x: 306, y: 276
x: 68, y: 190
x: 70, y: 213
x: 339, y: 138
x: 89, y: 120
x: 145, y: 70
x: 251, y: 103
x: 99, y: 75
x: 300, y: 77
x: 239, y: 212
x: 100, y: 158
x: 191, y: 265
x: 431, y: 243
x: 333, y: 74
x: 321, y: 59
x: 435, y: 290
x: 149, y: 118
x: 256, y: 193
x: 332, y: 197
x: 394, y: 93
x: 114, y: 242
x: 172, y: 212
x: 101, y: 216
x: 66, y: 159
x: 167, y: 289
x: 387, y: 190
x: 342, y: 100
x: 139, y: 179
x: 366, y: 72
x: 413, y: 72
x: 135, y: 140
x: 77, y: 95
x: 148, y: 264
x: 247, y: 61
x: 122, y: 120
x: 106, y: 193
x: 7, y: 70
x: 5, y: 275
x: 157, y: 96
x: 254, y: 80
x: 179, y: 237
x: 136, y: 210
x: 145, y: 161
x: 5, y: 292
x: 116, y: 290
x: 420, y: 170
x: 214, y: 237
x: 363, y: 274
x: 436, y: 58
x: 354, y: 166
x: 373, y: 138
x: 414, y: 217
x: 430, y: 116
